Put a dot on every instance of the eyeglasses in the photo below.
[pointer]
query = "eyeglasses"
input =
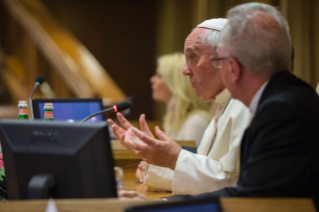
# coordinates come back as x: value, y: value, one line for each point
x: 217, y: 61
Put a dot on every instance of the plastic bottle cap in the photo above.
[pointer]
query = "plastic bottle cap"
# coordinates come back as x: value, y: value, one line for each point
x: 22, y: 103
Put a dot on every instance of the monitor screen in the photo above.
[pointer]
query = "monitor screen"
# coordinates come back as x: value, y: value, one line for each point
x: 206, y: 207
x: 198, y: 205
x: 70, y: 110
x: 78, y: 156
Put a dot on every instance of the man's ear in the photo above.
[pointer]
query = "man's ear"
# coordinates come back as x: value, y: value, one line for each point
x: 235, y: 70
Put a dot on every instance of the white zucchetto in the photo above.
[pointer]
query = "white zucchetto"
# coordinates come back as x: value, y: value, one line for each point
x: 216, y: 24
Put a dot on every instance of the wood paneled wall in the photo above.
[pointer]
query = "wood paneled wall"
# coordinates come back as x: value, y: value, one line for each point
x: 121, y: 35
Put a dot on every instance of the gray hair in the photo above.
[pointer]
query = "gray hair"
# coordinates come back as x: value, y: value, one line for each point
x: 210, y: 38
x: 261, y: 48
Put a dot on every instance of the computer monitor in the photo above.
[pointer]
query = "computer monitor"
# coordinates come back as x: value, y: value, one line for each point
x: 77, y: 155
x: 71, y: 109
x: 200, y: 205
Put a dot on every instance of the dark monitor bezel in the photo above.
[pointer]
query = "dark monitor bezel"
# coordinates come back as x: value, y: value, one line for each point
x: 35, y: 103
x: 170, y: 204
x: 12, y: 154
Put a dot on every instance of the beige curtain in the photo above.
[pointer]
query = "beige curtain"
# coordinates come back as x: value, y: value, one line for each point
x: 303, y: 19
x: 176, y: 19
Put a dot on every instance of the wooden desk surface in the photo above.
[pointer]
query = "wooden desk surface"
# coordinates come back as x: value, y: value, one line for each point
x: 113, y: 205
x: 130, y: 183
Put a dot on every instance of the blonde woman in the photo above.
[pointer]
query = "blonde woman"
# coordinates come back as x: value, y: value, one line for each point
x: 186, y: 115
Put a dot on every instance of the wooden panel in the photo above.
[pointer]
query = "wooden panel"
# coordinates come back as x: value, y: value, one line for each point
x: 85, y: 76
x: 47, y: 45
x: 121, y: 35
x: 9, y: 112
x: 17, y: 90
x: 59, y: 85
x: 30, y: 60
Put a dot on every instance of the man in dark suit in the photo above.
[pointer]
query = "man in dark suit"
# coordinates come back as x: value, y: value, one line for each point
x: 279, y: 152
x: 280, y: 149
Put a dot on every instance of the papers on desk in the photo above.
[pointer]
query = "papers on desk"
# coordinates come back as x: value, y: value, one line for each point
x: 51, y: 206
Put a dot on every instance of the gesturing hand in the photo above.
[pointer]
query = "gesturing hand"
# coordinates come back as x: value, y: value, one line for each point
x: 163, y: 152
x: 131, y: 195
x: 127, y: 136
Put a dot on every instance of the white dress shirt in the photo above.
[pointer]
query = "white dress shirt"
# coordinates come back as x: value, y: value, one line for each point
x: 254, y: 102
x: 217, y: 163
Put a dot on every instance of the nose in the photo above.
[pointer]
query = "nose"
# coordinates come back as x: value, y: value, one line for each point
x: 186, y: 70
x: 152, y: 79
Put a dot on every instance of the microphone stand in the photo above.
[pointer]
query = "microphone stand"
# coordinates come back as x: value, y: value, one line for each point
x: 98, y: 113
x: 30, y: 99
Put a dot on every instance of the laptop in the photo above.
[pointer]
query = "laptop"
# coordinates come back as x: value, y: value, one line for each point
x: 198, y: 205
x: 70, y: 109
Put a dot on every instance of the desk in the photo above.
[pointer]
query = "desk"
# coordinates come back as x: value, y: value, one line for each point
x: 113, y: 205
x: 130, y: 183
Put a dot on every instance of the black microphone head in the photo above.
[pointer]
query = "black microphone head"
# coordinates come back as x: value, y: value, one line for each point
x: 122, y: 106
x: 39, y: 79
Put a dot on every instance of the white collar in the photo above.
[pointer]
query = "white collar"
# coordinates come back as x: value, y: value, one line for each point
x: 254, y: 103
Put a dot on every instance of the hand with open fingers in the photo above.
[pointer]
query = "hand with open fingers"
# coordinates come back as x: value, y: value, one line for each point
x: 163, y: 152
x: 131, y: 195
x: 126, y: 136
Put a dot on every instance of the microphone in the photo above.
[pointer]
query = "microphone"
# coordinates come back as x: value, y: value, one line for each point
x: 38, y: 81
x: 116, y: 108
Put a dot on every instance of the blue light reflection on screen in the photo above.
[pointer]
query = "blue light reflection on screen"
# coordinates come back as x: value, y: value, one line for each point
x: 207, y: 207
x: 73, y: 111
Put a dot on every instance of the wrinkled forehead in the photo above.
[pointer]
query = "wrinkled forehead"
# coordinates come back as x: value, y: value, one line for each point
x: 194, y: 41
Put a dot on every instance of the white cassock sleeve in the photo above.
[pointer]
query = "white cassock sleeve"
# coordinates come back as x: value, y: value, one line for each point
x: 200, y: 173
x: 208, y: 175
x: 158, y: 177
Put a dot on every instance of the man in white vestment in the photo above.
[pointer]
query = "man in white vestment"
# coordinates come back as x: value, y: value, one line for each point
x: 216, y: 164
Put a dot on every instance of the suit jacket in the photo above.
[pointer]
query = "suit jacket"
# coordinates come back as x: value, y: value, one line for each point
x: 279, y: 152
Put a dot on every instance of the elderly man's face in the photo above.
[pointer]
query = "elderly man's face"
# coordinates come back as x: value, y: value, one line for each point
x: 225, y: 70
x: 205, y: 79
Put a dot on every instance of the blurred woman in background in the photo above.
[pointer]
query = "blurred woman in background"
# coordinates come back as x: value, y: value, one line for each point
x: 186, y: 115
